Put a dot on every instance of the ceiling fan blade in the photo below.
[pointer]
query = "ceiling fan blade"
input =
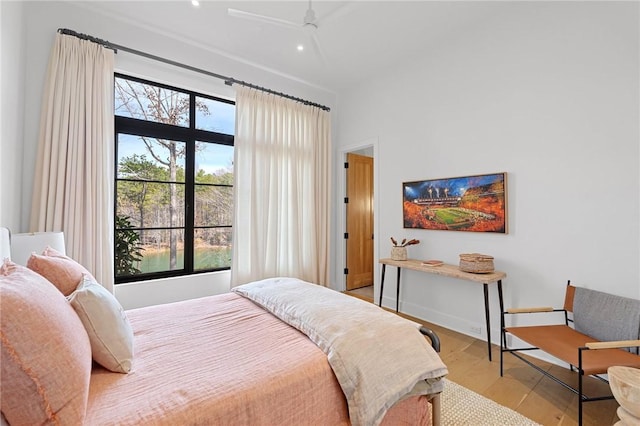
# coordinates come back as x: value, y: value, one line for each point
x: 262, y: 18
x: 316, y: 46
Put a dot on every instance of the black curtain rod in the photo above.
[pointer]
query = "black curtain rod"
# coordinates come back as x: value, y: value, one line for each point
x: 227, y: 80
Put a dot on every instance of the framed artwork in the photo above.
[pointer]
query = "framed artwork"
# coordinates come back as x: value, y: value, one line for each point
x: 469, y: 203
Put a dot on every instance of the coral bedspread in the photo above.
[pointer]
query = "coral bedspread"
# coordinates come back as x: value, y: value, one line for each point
x: 377, y: 357
x: 223, y: 360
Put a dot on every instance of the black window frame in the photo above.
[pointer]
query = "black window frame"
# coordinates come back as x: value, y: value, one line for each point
x: 190, y: 135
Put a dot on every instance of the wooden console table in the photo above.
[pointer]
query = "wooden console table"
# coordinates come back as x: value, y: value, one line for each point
x: 448, y: 271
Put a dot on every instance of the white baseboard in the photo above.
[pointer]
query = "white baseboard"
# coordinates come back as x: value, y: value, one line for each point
x: 466, y: 327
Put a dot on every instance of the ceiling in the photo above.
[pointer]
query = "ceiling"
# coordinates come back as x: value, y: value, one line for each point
x: 357, y: 39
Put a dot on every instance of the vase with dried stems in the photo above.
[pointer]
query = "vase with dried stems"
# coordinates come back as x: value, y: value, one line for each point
x: 399, y: 251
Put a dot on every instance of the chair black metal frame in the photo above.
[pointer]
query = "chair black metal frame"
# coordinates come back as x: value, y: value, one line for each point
x: 582, y: 398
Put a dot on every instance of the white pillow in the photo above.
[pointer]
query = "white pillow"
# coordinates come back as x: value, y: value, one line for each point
x: 107, y: 325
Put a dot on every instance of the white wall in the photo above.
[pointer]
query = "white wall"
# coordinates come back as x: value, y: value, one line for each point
x: 545, y: 91
x: 11, y: 115
x: 41, y: 20
x: 157, y: 292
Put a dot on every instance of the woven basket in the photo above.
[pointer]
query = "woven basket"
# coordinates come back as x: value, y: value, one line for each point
x: 398, y: 253
x: 476, y: 263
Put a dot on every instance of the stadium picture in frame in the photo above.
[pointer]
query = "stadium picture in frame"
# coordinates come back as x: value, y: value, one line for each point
x: 470, y: 203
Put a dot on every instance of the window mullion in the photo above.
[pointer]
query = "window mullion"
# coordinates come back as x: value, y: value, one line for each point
x: 190, y: 192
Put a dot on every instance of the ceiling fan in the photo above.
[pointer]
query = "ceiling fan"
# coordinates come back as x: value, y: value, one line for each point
x: 309, y: 24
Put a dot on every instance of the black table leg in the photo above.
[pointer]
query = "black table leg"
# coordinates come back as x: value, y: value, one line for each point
x: 398, y: 289
x: 503, y: 337
x: 501, y: 311
x: 486, y: 314
x: 384, y: 268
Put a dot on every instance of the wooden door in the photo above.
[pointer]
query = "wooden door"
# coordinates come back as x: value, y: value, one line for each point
x: 359, y: 230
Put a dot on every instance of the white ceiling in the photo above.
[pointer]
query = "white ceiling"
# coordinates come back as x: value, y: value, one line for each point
x: 358, y: 38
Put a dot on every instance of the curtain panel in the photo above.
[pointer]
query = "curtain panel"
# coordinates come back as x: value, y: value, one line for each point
x: 282, y: 189
x: 73, y: 183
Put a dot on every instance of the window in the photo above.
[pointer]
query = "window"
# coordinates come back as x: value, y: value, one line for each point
x: 174, y: 181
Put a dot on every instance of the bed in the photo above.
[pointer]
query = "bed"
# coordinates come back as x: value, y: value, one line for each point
x: 230, y: 359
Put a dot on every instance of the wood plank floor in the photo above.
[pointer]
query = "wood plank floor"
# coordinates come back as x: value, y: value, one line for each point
x: 521, y: 388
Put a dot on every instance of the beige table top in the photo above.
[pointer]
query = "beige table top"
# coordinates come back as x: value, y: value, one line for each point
x: 446, y: 270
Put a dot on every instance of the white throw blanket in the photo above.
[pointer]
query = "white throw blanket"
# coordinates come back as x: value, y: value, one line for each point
x: 377, y: 357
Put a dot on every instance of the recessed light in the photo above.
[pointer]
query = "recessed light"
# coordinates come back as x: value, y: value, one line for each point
x: 300, y: 48
x: 196, y: 3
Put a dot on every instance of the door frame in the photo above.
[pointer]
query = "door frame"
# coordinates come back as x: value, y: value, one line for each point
x: 342, y: 216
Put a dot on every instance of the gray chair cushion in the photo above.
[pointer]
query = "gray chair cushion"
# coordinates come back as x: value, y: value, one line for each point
x: 605, y: 316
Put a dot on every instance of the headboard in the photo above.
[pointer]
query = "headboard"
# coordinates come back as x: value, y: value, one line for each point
x: 18, y: 247
x: 5, y: 244
x: 23, y: 244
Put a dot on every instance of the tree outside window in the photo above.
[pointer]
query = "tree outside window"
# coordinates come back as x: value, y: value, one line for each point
x: 174, y: 180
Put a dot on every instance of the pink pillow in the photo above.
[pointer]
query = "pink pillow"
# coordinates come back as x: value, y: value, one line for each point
x: 45, y: 355
x: 62, y: 271
x: 51, y: 252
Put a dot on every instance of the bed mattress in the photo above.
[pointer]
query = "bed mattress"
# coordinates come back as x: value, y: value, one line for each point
x: 223, y: 360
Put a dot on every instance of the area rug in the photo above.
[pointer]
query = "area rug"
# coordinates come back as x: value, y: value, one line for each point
x: 461, y: 407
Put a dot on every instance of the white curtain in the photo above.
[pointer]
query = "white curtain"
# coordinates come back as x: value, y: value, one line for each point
x: 282, y: 189
x: 73, y: 183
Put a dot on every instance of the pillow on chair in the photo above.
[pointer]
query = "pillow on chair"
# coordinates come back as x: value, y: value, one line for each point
x: 62, y: 271
x: 46, y: 354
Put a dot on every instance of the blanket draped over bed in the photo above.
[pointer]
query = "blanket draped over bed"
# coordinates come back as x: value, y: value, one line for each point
x: 377, y: 357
